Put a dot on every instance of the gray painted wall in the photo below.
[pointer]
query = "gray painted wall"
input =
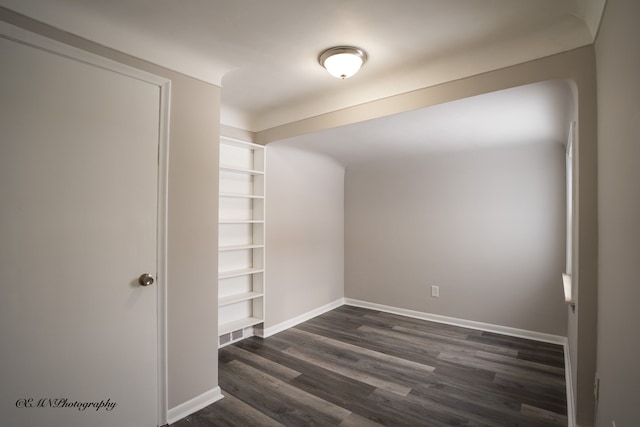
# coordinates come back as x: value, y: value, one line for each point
x: 193, y: 239
x: 487, y: 227
x: 578, y: 67
x: 618, y: 79
x: 304, y: 234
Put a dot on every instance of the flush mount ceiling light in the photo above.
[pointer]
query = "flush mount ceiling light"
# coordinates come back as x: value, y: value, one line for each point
x: 343, y: 61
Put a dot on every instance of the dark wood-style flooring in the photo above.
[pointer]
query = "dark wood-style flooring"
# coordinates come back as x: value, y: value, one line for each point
x: 358, y: 367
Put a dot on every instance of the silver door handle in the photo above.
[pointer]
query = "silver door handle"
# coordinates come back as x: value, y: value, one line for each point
x: 145, y: 280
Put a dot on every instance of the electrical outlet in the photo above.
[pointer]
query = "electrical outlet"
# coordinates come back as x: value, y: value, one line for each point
x: 435, y: 291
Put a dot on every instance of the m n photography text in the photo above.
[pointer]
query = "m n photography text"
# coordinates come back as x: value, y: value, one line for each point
x: 30, y: 402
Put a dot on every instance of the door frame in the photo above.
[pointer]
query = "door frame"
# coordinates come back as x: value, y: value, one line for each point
x: 27, y: 38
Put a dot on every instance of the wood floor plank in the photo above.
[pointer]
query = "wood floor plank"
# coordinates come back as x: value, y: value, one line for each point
x: 364, y: 352
x: 365, y: 377
x: 434, y: 342
x: 423, y: 325
x: 391, y: 346
x: 548, y: 417
x: 359, y: 367
x: 277, y: 399
x: 543, y: 355
x: 420, y: 412
x: 228, y: 412
x: 505, y: 370
x: 372, y: 367
x: 479, y: 402
x: 265, y: 365
x: 546, y: 397
x: 432, y: 338
x: 355, y: 420
x: 330, y: 386
x: 334, y: 388
x: 523, y: 364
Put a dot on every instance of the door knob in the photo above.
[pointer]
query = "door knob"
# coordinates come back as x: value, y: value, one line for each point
x: 145, y: 280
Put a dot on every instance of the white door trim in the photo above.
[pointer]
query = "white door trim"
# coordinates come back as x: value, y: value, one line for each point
x: 163, y: 190
x: 22, y: 36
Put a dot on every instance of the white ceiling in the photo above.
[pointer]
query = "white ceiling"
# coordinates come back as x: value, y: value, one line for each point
x: 264, y: 52
x: 533, y: 114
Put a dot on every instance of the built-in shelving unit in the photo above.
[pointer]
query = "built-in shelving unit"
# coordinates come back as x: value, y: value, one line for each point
x: 241, y: 248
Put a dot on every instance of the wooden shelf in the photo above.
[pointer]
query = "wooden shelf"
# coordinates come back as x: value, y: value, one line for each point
x: 239, y: 248
x: 232, y: 299
x: 238, y: 273
x: 241, y: 196
x: 225, y: 328
x: 231, y: 169
x: 238, y: 143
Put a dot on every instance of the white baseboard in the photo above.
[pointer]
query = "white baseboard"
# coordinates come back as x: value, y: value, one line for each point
x: 488, y: 327
x: 568, y: 378
x: 301, y: 318
x: 189, y: 407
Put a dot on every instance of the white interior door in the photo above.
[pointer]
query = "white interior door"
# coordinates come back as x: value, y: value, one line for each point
x: 78, y: 214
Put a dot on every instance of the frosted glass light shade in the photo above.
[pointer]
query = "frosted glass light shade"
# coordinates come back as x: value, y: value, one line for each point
x: 343, y: 61
x: 343, y: 65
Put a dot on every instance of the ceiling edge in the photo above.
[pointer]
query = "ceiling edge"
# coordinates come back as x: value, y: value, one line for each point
x: 568, y: 65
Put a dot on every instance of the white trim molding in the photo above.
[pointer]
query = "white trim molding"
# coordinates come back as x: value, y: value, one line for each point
x: 12, y: 32
x: 161, y: 251
x: 471, y: 324
x: 267, y: 332
x: 190, y: 406
x: 568, y: 378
